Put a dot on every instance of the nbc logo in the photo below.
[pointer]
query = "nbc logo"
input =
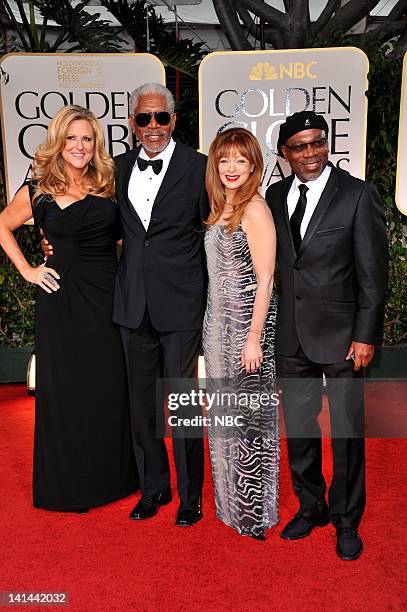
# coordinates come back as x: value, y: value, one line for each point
x: 264, y: 71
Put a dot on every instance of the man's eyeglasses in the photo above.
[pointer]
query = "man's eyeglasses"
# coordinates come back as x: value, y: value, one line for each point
x: 143, y: 119
x: 315, y: 145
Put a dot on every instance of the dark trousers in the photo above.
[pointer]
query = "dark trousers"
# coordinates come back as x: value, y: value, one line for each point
x: 151, y: 354
x: 301, y: 383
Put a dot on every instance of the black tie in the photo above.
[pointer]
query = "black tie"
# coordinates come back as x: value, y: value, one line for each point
x: 296, y: 217
x: 156, y: 164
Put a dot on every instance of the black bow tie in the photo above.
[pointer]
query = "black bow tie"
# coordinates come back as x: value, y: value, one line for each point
x: 156, y: 164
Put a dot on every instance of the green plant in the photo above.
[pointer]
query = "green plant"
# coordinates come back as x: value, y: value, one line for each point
x: 17, y: 297
x: 383, y: 114
x: 182, y: 54
x: 17, y: 303
x: 187, y: 108
x: 79, y: 31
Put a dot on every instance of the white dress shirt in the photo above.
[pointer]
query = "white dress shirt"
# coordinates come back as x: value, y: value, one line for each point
x: 144, y: 186
x: 315, y: 189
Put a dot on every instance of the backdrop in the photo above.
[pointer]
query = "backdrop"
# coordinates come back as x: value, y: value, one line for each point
x: 258, y: 89
x: 35, y: 86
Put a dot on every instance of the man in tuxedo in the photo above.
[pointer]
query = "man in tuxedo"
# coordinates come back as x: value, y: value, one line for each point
x: 333, y: 258
x: 160, y: 292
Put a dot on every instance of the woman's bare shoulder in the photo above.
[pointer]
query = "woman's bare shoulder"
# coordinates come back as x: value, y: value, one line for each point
x: 257, y: 208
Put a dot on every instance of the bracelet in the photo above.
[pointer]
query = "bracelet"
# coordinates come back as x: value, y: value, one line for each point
x: 254, y: 331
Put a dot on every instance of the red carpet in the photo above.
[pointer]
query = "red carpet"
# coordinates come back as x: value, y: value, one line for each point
x: 107, y: 562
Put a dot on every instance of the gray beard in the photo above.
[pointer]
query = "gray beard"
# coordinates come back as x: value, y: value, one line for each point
x: 153, y: 149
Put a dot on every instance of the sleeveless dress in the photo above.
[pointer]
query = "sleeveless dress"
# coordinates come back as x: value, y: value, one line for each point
x: 82, y: 445
x: 244, y: 456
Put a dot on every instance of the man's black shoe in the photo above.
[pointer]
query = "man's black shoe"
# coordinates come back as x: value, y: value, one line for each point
x: 299, y: 527
x: 188, y: 515
x: 349, y: 545
x: 147, y: 506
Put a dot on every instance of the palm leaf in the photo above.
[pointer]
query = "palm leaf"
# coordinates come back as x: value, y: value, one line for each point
x: 82, y: 31
x: 184, y: 55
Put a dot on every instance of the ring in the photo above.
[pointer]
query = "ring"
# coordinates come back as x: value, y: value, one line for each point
x: 49, y: 278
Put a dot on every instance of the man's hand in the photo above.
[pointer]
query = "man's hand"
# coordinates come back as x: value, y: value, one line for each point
x: 46, y: 247
x: 362, y: 354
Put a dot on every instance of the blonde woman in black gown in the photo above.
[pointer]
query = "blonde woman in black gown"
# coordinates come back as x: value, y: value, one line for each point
x: 238, y: 334
x: 82, y: 455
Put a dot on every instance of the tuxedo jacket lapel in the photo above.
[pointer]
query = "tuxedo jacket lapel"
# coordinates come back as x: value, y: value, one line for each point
x: 126, y: 180
x: 326, y: 198
x: 284, y: 194
x: 177, y: 167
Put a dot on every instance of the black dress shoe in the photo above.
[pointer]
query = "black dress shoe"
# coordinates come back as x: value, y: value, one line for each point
x: 299, y: 527
x: 188, y: 514
x: 349, y: 545
x: 82, y: 511
x: 148, y: 505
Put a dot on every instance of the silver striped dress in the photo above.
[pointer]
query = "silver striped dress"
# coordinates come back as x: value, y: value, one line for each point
x: 244, y: 455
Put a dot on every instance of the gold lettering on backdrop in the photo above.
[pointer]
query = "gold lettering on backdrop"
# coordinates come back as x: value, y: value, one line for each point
x: 78, y: 73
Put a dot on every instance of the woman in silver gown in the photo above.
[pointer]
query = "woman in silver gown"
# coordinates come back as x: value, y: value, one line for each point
x: 238, y: 337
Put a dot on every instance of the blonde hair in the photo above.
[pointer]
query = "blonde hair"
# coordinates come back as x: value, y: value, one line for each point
x: 246, y: 144
x: 48, y: 168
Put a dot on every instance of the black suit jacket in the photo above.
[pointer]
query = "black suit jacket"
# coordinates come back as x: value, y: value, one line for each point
x: 163, y: 267
x: 333, y: 291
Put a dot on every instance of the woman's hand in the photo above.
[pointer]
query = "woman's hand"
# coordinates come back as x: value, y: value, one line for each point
x: 252, y: 355
x: 44, y: 277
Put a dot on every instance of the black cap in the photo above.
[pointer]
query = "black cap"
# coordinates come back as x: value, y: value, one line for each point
x: 298, y: 122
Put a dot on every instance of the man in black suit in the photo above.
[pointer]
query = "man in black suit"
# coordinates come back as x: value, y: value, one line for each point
x: 333, y: 257
x: 160, y: 292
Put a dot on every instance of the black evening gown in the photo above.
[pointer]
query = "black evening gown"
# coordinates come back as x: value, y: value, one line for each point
x: 82, y: 445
